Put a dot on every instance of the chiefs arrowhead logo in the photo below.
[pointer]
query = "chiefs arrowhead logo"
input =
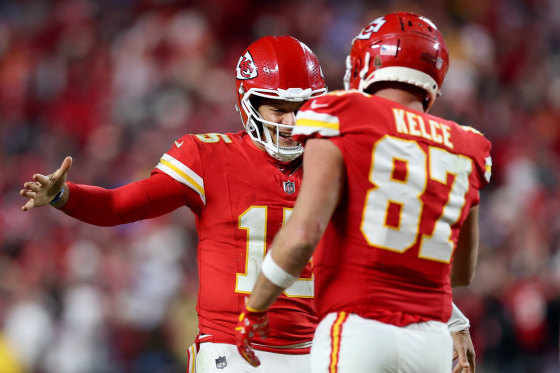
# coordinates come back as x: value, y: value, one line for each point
x: 373, y: 27
x: 246, y: 68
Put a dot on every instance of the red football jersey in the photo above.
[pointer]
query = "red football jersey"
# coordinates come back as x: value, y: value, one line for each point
x: 411, y: 179
x: 242, y: 198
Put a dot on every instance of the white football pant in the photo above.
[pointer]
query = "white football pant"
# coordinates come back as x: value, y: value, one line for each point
x: 352, y: 344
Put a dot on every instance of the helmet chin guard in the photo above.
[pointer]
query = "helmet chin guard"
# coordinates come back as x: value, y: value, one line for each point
x: 280, y: 68
x: 259, y: 128
x: 281, y: 153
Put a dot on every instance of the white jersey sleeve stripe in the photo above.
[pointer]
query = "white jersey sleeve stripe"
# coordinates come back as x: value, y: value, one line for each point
x: 182, y: 174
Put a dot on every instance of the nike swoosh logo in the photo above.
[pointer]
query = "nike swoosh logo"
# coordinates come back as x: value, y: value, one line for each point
x: 179, y: 144
x: 315, y: 105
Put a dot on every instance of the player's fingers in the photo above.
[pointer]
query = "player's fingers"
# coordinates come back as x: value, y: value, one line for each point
x: 464, y: 363
x: 252, y: 358
x: 457, y: 368
x: 32, y: 185
x: 471, y: 368
x: 29, y: 205
x: 256, y: 362
x: 41, y: 179
x: 66, y: 164
x: 63, y: 170
x: 249, y: 354
x: 27, y: 193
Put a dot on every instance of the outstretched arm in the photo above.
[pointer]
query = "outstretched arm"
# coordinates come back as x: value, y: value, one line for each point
x: 148, y: 198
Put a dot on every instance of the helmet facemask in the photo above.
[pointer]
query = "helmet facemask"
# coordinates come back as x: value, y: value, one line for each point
x: 259, y: 128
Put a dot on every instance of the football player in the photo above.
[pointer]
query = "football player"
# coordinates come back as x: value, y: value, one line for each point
x: 241, y: 187
x: 394, y: 193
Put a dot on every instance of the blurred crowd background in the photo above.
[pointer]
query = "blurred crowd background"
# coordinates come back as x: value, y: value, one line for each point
x: 114, y: 82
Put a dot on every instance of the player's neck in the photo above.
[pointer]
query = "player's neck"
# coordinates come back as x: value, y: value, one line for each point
x: 410, y: 99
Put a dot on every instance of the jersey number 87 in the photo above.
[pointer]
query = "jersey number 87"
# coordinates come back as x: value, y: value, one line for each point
x: 403, y: 193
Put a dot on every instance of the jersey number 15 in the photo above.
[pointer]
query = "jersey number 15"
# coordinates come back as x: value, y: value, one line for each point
x: 253, y: 220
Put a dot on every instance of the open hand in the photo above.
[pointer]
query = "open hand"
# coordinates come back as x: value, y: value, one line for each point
x: 43, y: 188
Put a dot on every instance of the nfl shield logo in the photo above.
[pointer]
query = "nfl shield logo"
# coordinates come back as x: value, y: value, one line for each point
x: 221, y: 362
x: 289, y: 187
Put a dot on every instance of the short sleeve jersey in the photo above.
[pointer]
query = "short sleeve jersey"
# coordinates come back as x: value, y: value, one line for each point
x: 240, y: 197
x: 411, y: 179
